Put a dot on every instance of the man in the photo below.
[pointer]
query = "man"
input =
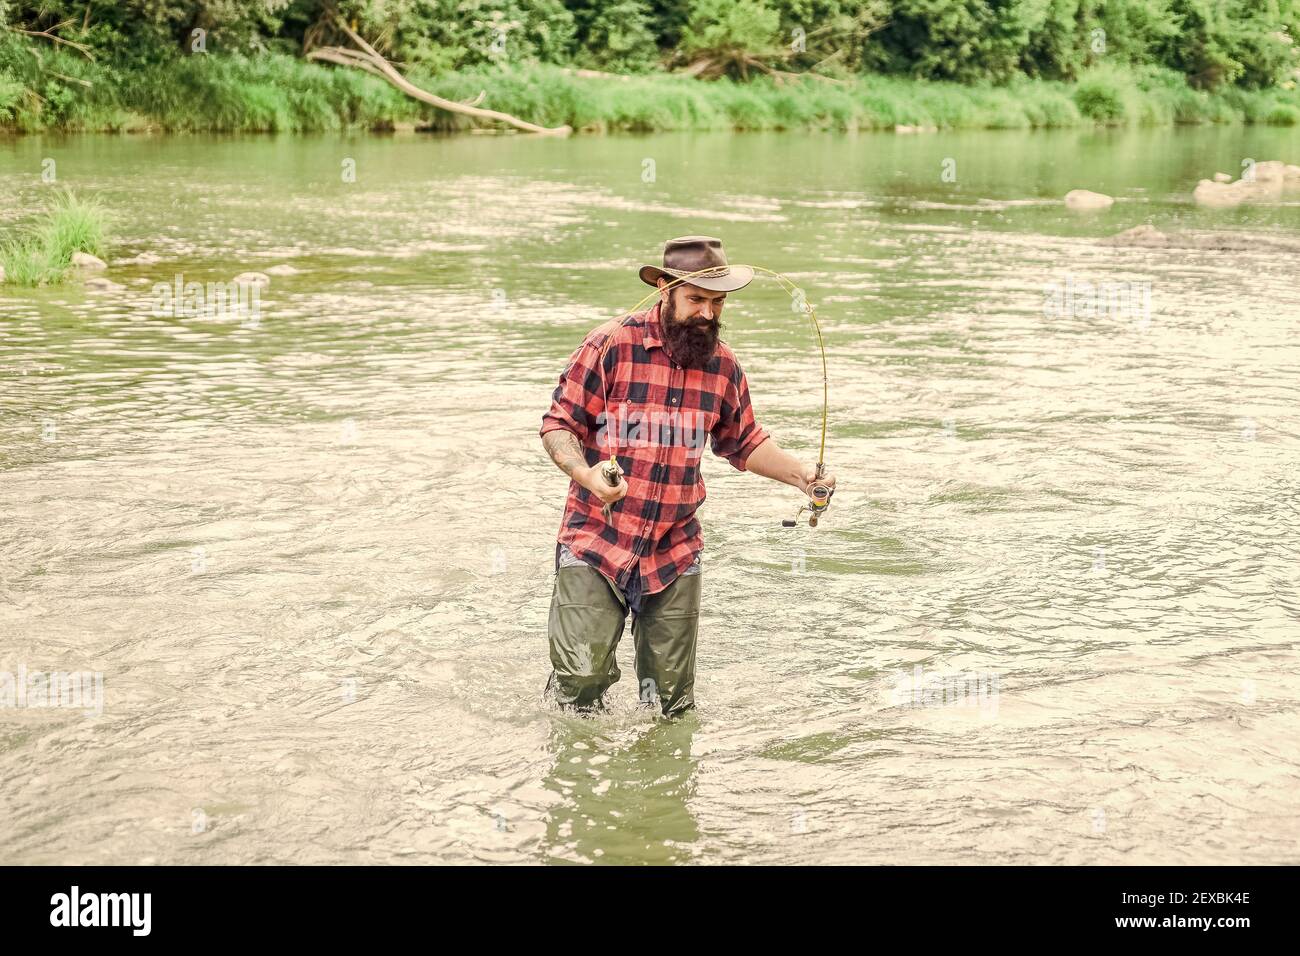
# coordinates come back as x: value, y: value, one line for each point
x: 635, y: 546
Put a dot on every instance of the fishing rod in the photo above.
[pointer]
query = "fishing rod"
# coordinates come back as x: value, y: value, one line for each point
x: 819, y: 496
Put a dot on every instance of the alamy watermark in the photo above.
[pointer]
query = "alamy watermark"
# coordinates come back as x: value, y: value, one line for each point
x: 1081, y: 298
x: 234, y: 300
x: 75, y: 689
x: 75, y: 908
x: 635, y: 428
x: 948, y: 688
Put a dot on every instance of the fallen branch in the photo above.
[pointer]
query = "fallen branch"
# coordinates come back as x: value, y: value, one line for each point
x: 781, y: 75
x: 369, y: 59
x: 79, y: 47
x: 699, y: 67
x: 72, y: 79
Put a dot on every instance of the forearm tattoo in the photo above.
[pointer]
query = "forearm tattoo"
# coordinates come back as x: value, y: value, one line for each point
x: 565, y: 450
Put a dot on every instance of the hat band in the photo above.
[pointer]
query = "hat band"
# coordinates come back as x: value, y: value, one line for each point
x: 717, y: 272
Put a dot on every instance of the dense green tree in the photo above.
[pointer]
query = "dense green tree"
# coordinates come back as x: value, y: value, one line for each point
x: 964, y: 40
x: 1233, y: 41
x: 449, y: 34
x: 617, y: 35
x: 835, y: 33
x: 729, y: 34
x: 1213, y: 43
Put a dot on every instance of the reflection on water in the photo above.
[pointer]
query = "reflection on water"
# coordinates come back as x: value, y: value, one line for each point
x: 311, y: 556
x: 625, y: 802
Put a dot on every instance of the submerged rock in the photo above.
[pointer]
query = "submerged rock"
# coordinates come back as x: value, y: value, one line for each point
x: 1087, y: 199
x: 84, y: 260
x: 1144, y: 235
x: 142, y: 259
x: 252, y: 278
x: 100, y: 284
x: 1147, y: 236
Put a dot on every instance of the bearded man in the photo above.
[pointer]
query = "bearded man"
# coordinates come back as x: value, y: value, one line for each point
x: 635, y: 546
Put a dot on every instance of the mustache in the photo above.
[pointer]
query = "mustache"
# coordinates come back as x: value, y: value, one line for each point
x: 698, y: 323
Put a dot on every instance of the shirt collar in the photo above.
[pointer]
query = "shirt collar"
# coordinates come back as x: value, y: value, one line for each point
x: 652, y: 338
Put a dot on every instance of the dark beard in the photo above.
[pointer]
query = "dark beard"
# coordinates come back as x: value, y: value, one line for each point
x: 693, y: 343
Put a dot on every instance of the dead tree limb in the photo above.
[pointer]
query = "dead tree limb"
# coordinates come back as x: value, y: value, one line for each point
x: 369, y: 59
x: 50, y: 35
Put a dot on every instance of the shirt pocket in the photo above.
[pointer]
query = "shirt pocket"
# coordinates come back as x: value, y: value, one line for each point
x: 634, y: 393
x: 637, y: 408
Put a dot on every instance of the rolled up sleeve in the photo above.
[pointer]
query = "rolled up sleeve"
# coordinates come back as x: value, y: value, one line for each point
x: 578, y: 398
x: 737, y: 434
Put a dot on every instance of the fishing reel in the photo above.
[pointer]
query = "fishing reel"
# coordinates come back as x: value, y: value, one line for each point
x: 612, y: 475
x: 819, y: 499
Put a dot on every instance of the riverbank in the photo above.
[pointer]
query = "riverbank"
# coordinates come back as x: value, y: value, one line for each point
x: 280, y: 93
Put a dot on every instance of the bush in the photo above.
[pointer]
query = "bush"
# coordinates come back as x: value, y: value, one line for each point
x: 1282, y: 114
x: 43, y: 250
x: 11, y: 93
x: 1105, y: 95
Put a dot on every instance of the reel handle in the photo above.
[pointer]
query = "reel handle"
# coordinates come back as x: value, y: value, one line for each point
x: 819, y: 498
x: 609, y: 471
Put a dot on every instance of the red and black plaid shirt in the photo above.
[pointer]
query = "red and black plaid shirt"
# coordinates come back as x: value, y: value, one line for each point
x: 659, y: 415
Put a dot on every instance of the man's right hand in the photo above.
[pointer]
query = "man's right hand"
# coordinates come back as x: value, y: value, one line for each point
x: 594, y: 481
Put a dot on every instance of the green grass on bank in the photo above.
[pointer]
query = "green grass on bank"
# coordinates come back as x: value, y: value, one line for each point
x: 42, y: 251
x: 283, y: 93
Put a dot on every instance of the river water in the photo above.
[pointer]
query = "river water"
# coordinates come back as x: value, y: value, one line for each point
x: 1051, y: 616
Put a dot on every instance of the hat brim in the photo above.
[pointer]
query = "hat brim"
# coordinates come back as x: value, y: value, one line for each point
x: 737, y: 278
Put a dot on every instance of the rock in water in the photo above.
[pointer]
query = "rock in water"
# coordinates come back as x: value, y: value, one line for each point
x: 1144, y: 235
x: 1226, y: 195
x: 1265, y: 181
x: 143, y: 259
x: 1218, y: 195
x: 252, y: 278
x: 1086, y: 199
x: 1270, y: 171
x: 84, y: 260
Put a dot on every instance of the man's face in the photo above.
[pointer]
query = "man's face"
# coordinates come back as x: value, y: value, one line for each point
x: 691, y: 322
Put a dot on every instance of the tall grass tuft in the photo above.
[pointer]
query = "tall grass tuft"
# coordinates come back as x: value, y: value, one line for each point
x: 41, y: 253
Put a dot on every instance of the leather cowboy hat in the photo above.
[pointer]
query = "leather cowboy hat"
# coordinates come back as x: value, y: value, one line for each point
x: 688, y: 254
